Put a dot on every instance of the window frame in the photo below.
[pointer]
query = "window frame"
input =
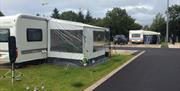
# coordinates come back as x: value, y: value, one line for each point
x: 104, y: 40
x: 37, y: 29
x: 8, y: 33
x: 63, y: 30
x: 139, y: 35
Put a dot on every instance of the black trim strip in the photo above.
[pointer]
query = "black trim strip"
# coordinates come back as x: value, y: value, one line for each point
x: 32, y: 51
x: 4, y: 51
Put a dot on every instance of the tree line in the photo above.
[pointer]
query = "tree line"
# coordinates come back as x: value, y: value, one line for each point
x: 159, y: 22
x: 73, y: 16
x: 1, y: 14
x: 119, y: 22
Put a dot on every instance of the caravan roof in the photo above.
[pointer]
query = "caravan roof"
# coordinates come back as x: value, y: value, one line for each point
x: 23, y: 16
x: 76, y: 24
x: 64, y: 23
x: 145, y: 32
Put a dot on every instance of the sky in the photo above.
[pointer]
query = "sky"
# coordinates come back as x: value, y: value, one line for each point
x: 143, y: 11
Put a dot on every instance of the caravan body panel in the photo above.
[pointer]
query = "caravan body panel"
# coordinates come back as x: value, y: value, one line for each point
x: 22, y: 27
x: 136, y: 36
x: 7, y: 28
x: 31, y: 47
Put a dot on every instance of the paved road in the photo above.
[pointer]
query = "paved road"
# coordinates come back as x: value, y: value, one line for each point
x: 155, y: 70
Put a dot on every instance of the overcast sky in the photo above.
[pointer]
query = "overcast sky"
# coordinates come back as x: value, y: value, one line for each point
x: 141, y: 10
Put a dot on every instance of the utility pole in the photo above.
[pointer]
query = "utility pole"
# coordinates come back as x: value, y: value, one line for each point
x: 167, y: 22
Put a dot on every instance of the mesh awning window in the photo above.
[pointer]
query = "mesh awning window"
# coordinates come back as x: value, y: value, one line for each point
x: 100, y: 40
x: 66, y: 40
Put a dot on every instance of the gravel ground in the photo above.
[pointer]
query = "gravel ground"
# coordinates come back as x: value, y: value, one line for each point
x: 177, y: 45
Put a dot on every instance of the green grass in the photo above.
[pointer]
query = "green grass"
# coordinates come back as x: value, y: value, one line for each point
x: 58, y: 78
x: 164, y: 45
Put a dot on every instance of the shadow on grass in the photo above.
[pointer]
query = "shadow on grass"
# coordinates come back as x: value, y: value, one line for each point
x: 77, y: 84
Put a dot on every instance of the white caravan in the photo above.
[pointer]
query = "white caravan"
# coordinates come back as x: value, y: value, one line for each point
x: 42, y: 38
x: 140, y: 36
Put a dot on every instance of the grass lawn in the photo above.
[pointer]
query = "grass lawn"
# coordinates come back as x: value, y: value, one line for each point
x: 58, y: 78
x: 164, y: 45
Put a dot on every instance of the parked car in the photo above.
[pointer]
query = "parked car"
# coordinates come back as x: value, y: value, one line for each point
x: 120, y: 39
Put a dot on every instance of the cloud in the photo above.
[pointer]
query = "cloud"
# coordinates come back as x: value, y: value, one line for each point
x: 144, y: 7
x: 142, y: 10
x: 143, y: 18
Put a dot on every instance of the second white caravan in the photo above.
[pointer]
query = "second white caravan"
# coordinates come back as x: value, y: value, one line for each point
x: 143, y: 36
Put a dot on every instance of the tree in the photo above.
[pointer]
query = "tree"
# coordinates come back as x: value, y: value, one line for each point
x: 98, y: 22
x: 80, y: 17
x: 136, y: 26
x: 55, y: 14
x: 146, y: 27
x: 88, y: 17
x: 174, y: 23
x: 120, y: 22
x: 38, y: 14
x: 1, y: 14
x: 159, y: 25
x: 69, y: 15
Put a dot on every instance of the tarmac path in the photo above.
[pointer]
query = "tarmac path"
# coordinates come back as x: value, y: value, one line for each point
x: 155, y: 70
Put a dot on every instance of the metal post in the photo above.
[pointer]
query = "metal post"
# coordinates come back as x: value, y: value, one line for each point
x: 110, y: 49
x: 13, y: 73
x: 167, y: 23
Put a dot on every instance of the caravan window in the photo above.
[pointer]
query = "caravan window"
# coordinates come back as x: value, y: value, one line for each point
x: 99, y: 40
x: 34, y: 35
x: 4, y: 34
x: 136, y: 35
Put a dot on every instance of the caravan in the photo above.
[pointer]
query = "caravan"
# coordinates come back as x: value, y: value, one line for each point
x: 144, y: 36
x: 43, y: 38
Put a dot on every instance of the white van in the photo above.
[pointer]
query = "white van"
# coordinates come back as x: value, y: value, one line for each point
x: 42, y: 38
